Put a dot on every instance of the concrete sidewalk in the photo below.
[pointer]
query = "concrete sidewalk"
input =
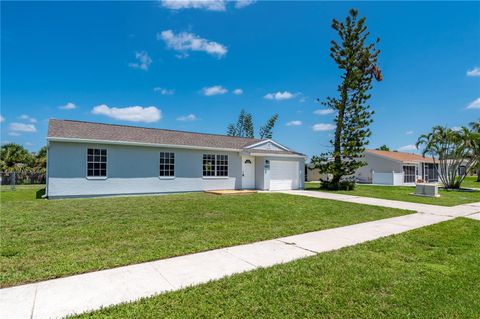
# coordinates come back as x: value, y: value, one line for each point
x: 453, y: 211
x: 76, y: 294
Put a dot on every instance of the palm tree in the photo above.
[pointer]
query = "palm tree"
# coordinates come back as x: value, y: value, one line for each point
x: 476, y: 128
x: 12, y: 154
x: 451, y: 149
x: 475, y: 125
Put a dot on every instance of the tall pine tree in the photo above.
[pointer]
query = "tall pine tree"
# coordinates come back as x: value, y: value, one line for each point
x: 266, y: 131
x: 358, y: 61
x: 244, y: 126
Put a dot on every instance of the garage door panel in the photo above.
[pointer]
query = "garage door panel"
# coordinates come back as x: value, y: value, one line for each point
x: 284, y: 175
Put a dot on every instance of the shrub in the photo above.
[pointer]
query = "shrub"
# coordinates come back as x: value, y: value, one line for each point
x: 343, y: 185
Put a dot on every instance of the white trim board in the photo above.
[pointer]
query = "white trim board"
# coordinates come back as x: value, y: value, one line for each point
x: 268, y: 141
x: 93, y: 141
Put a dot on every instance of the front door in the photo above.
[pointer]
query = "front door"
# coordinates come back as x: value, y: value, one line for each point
x: 248, y: 172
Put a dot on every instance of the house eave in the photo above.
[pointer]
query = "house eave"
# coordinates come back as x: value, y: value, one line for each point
x: 274, y: 155
x: 110, y: 142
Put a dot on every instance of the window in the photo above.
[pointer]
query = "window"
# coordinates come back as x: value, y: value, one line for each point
x: 431, y: 172
x: 409, y: 174
x: 222, y: 165
x: 208, y: 165
x: 215, y: 165
x: 167, y: 164
x: 96, y: 162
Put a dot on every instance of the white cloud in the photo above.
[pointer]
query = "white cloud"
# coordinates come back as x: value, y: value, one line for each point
x: 14, y: 134
x: 409, y: 147
x: 456, y: 128
x: 143, y: 61
x: 323, y: 127
x: 474, y: 72
x: 25, y: 117
x: 184, y: 42
x: 211, y: 5
x: 243, y: 3
x: 214, y: 90
x: 408, y: 132
x: 323, y: 112
x: 68, y: 106
x: 294, y: 123
x: 474, y: 104
x: 238, y: 91
x: 279, y: 96
x: 303, y: 100
x: 28, y: 144
x: 130, y: 113
x: 17, y: 128
x: 2, y: 119
x: 187, y: 118
x: 163, y: 91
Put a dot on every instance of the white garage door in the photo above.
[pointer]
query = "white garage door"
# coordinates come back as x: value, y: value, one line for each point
x: 284, y: 175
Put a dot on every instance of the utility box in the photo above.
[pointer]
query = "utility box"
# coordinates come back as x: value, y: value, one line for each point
x: 424, y: 189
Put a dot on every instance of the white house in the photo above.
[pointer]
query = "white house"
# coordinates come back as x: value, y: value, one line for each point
x: 396, y: 168
x: 95, y: 159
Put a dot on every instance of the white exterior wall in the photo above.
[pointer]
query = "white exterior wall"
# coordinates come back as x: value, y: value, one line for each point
x: 133, y: 170
x: 313, y: 175
x: 387, y: 178
x: 377, y: 164
x: 262, y: 174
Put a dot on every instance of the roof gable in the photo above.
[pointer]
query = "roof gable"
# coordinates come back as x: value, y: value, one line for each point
x: 268, y: 145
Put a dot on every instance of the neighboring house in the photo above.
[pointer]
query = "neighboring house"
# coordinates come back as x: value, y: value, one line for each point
x: 313, y: 174
x: 93, y: 159
x: 396, y: 168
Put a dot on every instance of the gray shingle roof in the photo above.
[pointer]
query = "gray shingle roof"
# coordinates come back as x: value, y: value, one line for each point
x: 125, y: 133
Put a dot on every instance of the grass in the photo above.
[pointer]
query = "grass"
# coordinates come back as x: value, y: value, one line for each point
x: 48, y: 239
x: 431, y: 272
x: 471, y: 182
x: 402, y: 193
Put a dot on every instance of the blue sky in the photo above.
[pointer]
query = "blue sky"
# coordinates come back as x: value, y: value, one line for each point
x: 194, y: 68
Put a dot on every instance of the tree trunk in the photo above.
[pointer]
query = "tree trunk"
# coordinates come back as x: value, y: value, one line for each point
x: 478, y: 174
x: 337, y: 175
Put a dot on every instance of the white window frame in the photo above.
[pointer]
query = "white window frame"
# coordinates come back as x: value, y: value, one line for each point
x: 174, y: 166
x: 215, y: 167
x: 415, y: 173
x: 86, y: 161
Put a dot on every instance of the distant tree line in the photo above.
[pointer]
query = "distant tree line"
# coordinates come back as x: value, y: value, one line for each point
x: 15, y: 158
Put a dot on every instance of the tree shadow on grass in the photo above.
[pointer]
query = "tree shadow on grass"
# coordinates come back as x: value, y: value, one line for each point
x: 40, y: 193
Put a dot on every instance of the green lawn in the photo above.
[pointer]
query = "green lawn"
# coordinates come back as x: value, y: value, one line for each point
x: 402, y: 193
x: 471, y: 182
x: 431, y: 272
x: 47, y: 239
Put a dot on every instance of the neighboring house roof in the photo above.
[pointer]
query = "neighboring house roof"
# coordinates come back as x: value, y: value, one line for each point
x: 70, y: 130
x: 402, y: 157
